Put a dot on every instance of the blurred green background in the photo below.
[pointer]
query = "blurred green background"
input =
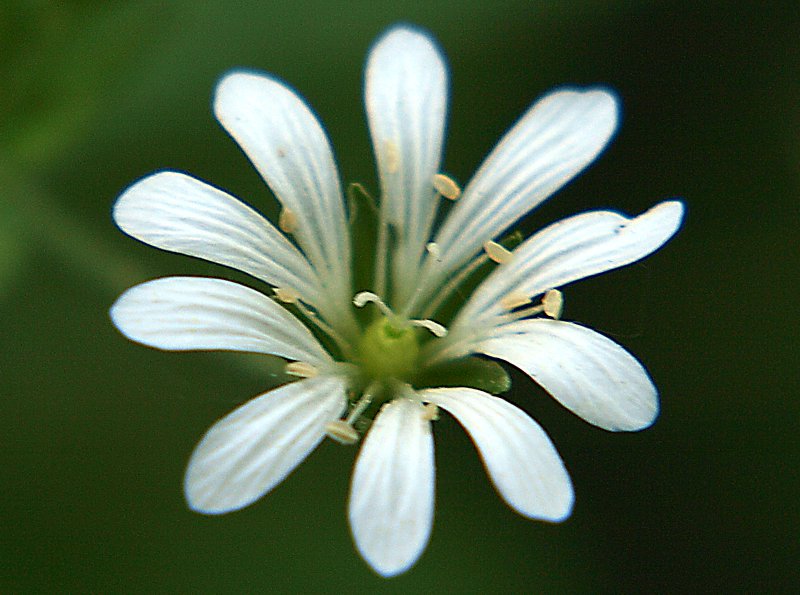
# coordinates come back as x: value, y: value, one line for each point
x: 96, y: 430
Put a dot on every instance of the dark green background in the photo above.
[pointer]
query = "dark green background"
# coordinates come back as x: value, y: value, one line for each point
x: 95, y: 431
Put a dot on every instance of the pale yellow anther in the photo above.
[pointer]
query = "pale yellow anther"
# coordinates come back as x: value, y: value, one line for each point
x: 515, y: 299
x: 392, y: 156
x: 431, y: 412
x: 553, y: 302
x: 342, y: 432
x: 301, y: 369
x: 287, y: 220
x: 496, y: 252
x: 287, y: 295
x: 446, y: 186
x: 433, y: 249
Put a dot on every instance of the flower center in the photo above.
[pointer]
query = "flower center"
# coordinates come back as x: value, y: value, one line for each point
x: 387, y: 350
x: 388, y: 357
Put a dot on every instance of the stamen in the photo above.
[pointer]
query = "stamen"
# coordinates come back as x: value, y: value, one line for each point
x: 342, y: 432
x: 515, y: 299
x: 553, y: 303
x: 301, y: 369
x: 434, y: 327
x: 431, y: 412
x: 287, y: 220
x: 363, y: 298
x: 381, y: 251
x: 446, y: 186
x: 392, y: 156
x: 446, y: 291
x: 323, y: 326
x: 496, y: 252
x: 363, y: 402
x: 287, y: 295
x: 433, y: 249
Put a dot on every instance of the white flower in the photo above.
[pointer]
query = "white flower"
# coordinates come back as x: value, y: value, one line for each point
x: 364, y: 355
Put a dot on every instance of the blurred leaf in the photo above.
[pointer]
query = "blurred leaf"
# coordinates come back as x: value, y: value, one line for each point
x: 12, y: 245
x: 62, y: 63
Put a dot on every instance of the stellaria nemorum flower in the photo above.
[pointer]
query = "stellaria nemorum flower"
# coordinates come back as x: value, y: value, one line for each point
x: 366, y: 303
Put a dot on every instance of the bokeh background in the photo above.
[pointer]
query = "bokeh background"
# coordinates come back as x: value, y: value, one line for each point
x: 95, y: 431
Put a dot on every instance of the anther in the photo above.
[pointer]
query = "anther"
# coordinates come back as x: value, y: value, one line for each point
x: 363, y: 298
x: 433, y: 249
x: 342, y: 432
x: 287, y: 295
x: 446, y: 186
x: 301, y: 369
x: 431, y: 412
x: 553, y: 303
x: 392, y: 156
x: 496, y: 252
x: 287, y: 220
x: 515, y: 299
x: 434, y: 327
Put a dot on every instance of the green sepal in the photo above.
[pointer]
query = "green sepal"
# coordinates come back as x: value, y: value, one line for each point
x: 359, y: 199
x: 512, y: 240
x: 363, y: 220
x: 470, y: 371
x: 269, y: 369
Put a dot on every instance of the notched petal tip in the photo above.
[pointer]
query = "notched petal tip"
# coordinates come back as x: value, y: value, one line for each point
x: 197, y: 502
x: 134, y: 199
x: 241, y: 92
x: 404, y: 34
x: 597, y: 108
x: 392, y: 489
x: 237, y: 81
x: 585, y: 371
x: 557, y: 514
x: 656, y: 226
x: 672, y: 213
x: 247, y: 453
x: 212, y: 502
x: 597, y: 100
x: 519, y: 457
x: 117, y: 314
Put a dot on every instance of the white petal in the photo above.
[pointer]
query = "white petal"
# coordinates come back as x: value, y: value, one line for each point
x: 586, y: 372
x: 247, y: 453
x: 572, y: 249
x: 518, y: 455
x: 558, y: 136
x: 406, y: 99
x: 391, y: 495
x: 175, y: 212
x: 287, y: 145
x: 189, y: 313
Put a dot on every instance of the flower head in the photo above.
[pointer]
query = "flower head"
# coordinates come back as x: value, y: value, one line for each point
x: 363, y: 303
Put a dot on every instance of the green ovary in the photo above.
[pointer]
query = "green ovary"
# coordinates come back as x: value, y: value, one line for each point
x: 387, y: 350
